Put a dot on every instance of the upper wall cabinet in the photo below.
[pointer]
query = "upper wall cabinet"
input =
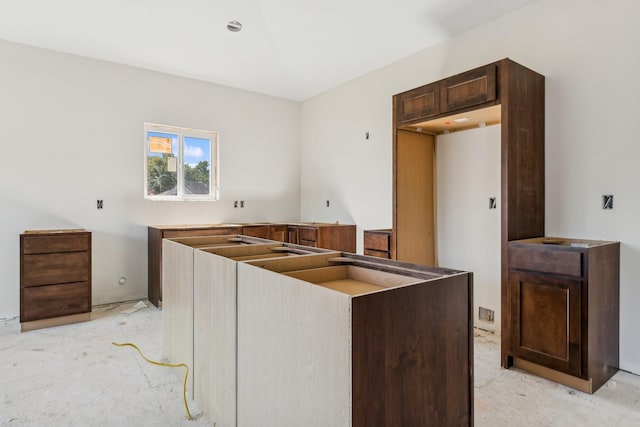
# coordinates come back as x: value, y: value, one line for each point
x: 418, y: 103
x: 469, y: 89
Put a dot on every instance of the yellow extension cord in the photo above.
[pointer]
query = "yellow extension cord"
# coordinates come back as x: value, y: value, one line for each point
x: 168, y: 365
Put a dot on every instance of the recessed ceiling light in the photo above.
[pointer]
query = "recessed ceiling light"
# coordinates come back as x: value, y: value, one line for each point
x: 234, y: 26
x: 461, y: 120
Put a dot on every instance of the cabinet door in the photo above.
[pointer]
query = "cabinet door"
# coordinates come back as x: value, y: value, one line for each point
x: 467, y: 89
x: 260, y: 231
x: 278, y: 232
x: 309, y: 234
x: 546, y: 320
x: 292, y: 234
x: 418, y: 103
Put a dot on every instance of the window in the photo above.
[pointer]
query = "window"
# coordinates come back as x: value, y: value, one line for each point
x: 180, y: 164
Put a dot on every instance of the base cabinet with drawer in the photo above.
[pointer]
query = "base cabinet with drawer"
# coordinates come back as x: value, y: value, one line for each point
x: 565, y: 309
x: 378, y: 243
x: 55, y: 278
x: 335, y: 237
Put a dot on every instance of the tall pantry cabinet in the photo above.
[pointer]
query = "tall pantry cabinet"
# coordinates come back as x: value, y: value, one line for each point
x: 518, y: 93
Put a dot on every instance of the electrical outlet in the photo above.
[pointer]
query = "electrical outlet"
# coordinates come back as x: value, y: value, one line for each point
x: 493, y: 204
x: 607, y: 201
x: 328, y: 203
x: 485, y: 314
x: 242, y: 203
x: 235, y: 204
x: 99, y: 204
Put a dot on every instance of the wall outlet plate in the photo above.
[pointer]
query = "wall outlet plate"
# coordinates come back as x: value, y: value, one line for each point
x: 485, y: 314
x: 607, y: 201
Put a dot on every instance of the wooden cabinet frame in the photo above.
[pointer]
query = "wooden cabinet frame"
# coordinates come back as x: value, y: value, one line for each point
x: 520, y: 93
x: 565, y: 309
x: 55, y: 278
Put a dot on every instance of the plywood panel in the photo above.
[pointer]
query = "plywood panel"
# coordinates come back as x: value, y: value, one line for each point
x: 415, y: 198
x: 292, y: 373
x: 215, y: 337
x: 177, y: 307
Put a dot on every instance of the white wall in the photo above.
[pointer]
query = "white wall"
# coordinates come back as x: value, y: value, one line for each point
x: 72, y: 133
x: 468, y: 232
x: 586, y: 51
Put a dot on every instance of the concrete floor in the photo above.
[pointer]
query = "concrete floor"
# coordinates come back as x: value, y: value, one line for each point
x: 73, y: 376
x: 509, y: 397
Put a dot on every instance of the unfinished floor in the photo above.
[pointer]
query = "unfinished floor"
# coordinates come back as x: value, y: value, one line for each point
x: 73, y: 376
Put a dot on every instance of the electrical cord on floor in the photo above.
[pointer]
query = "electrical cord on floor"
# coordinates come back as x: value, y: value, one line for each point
x: 168, y: 365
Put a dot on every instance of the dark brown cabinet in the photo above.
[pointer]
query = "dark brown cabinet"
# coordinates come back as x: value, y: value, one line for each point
x: 277, y: 232
x: 469, y: 89
x: 565, y: 309
x: 262, y: 231
x: 519, y: 94
x: 55, y: 277
x: 418, y: 103
x: 339, y: 237
x: 477, y: 88
x: 377, y: 243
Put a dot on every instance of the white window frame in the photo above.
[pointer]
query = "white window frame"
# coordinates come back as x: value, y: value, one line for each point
x: 214, y: 178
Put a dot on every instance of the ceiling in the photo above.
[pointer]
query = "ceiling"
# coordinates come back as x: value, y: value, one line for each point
x: 292, y: 49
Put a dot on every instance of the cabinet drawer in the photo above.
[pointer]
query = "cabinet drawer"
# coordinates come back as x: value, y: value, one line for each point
x: 418, y: 103
x: 42, y: 302
x: 378, y: 242
x: 379, y: 254
x: 467, y: 89
x: 65, y: 267
x: 546, y: 261
x: 260, y: 231
x: 56, y: 243
x: 308, y: 233
x: 201, y: 232
x: 311, y: 243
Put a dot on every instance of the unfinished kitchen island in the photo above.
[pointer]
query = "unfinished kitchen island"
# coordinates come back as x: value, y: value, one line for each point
x: 332, y: 339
